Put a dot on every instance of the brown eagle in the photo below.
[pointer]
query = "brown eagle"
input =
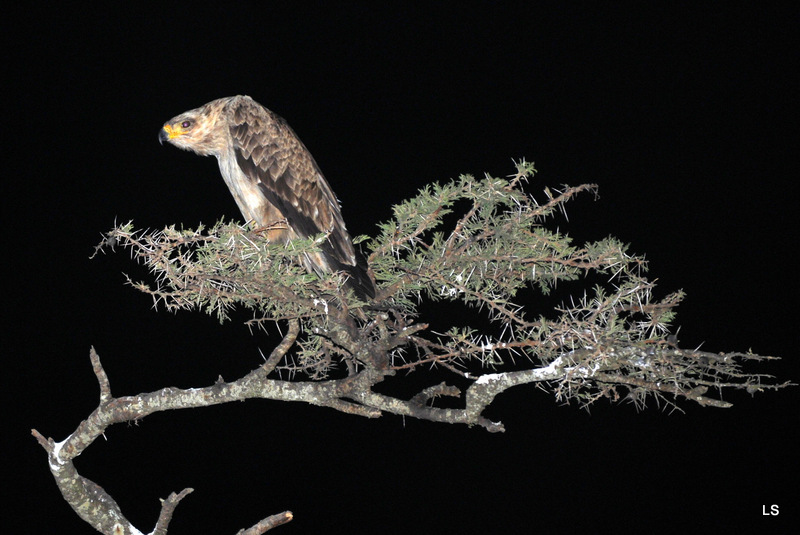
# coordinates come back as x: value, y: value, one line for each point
x: 274, y: 179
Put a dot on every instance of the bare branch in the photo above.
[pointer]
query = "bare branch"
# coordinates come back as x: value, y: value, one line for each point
x: 87, y: 498
x: 267, y: 524
x: 281, y: 349
x: 102, y: 378
x: 167, y: 509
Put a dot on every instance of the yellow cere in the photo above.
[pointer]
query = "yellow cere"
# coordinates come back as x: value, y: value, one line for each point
x: 173, y: 132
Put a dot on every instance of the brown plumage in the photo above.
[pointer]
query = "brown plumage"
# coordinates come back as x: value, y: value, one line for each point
x: 273, y: 178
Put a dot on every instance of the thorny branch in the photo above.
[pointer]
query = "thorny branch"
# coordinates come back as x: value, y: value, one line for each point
x: 612, y: 341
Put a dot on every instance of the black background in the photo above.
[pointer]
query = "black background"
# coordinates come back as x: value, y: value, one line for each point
x: 685, y: 117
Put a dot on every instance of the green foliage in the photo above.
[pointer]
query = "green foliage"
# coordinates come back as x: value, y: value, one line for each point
x: 481, y: 256
x: 476, y: 243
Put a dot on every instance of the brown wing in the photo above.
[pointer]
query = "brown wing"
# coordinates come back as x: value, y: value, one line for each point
x: 270, y: 153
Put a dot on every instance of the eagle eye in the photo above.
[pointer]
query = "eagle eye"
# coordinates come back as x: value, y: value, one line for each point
x: 186, y: 124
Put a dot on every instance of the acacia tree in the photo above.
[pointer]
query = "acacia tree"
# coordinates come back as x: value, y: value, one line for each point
x: 483, y: 245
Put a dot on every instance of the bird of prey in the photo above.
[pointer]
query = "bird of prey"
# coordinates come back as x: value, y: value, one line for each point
x: 274, y: 179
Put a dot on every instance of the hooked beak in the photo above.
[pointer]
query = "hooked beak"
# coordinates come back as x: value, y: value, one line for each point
x: 170, y: 132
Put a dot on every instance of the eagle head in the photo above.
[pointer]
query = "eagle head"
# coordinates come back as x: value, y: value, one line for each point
x: 196, y: 130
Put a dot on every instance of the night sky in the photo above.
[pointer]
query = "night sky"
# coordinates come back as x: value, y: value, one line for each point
x: 685, y: 118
